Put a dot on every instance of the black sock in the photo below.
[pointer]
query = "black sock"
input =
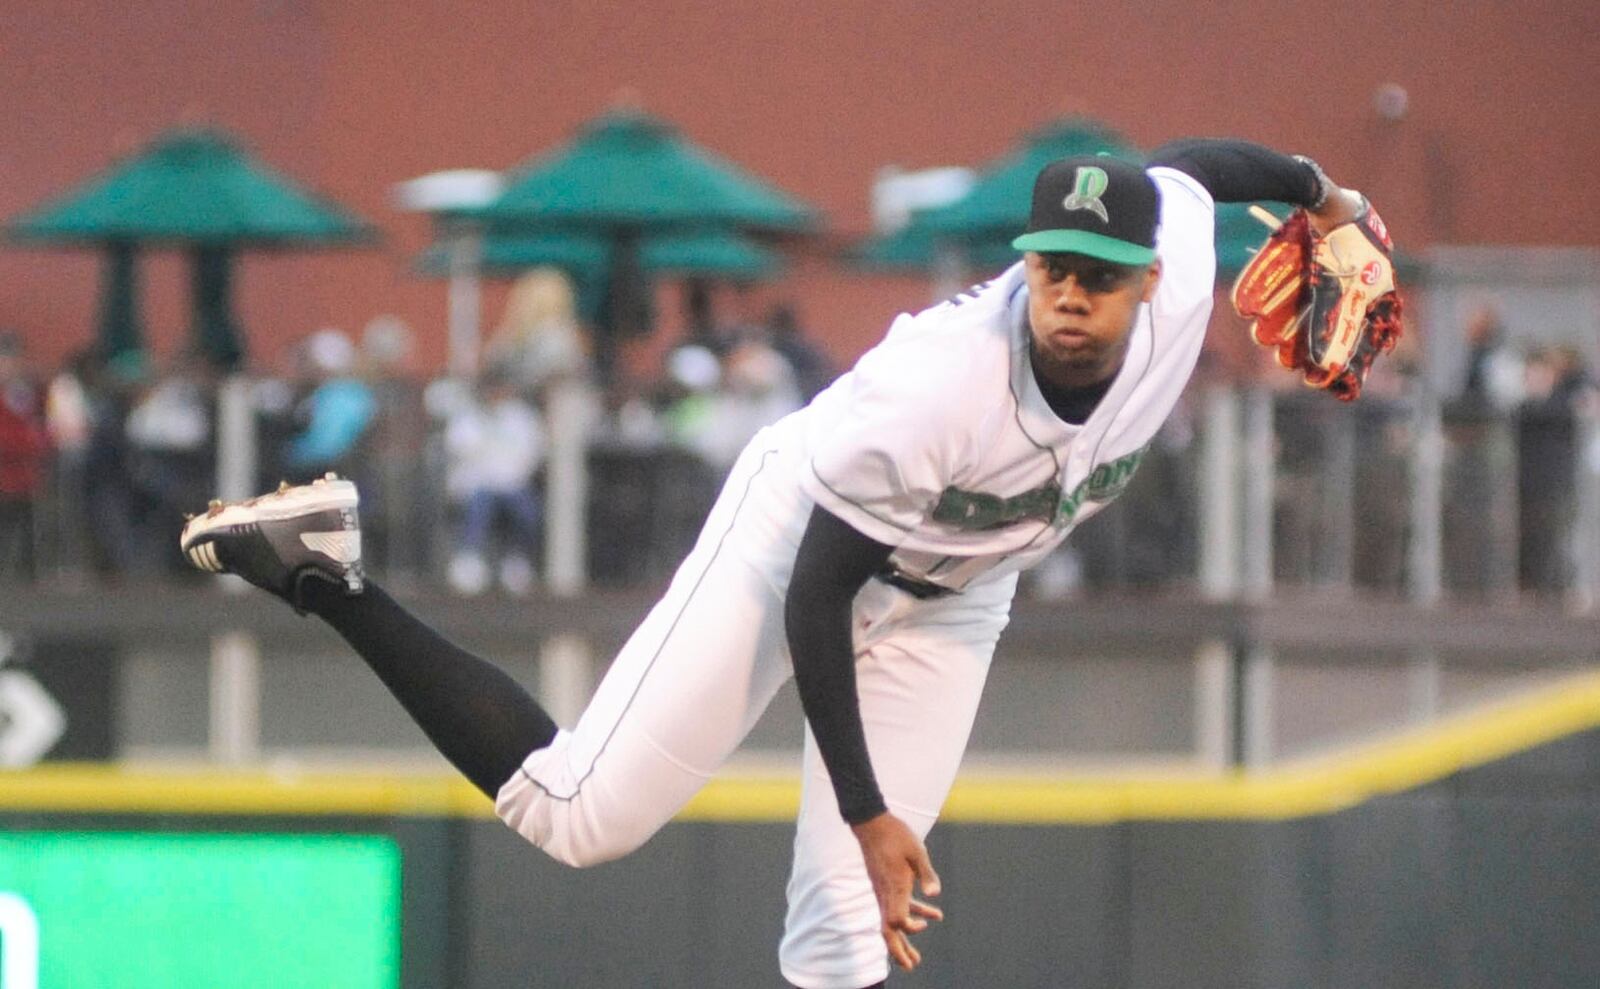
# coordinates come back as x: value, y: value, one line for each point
x: 480, y: 718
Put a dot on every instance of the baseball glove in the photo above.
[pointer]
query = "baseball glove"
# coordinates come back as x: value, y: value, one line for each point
x: 1328, y: 305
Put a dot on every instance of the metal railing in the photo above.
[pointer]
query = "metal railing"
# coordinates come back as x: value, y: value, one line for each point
x: 1322, y: 570
x: 1416, y: 499
x: 1241, y: 493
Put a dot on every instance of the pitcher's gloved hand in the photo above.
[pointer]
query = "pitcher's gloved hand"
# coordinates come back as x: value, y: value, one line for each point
x: 1326, y: 303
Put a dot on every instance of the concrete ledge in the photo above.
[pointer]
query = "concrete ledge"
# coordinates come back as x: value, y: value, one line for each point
x: 1329, y: 625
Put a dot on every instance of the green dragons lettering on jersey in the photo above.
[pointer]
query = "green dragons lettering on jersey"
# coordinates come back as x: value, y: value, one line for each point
x: 975, y: 511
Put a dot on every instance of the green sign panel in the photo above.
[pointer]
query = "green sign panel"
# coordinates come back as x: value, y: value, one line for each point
x: 170, y: 911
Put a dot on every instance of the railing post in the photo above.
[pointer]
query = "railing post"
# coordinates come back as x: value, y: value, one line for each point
x: 1219, y: 495
x: 1424, y: 572
x: 464, y: 302
x: 566, y: 530
x: 1218, y: 662
x: 1214, y: 671
x: 1585, y: 596
x: 564, y: 676
x: 235, y: 696
x: 1256, y: 707
x: 235, y: 667
x: 1338, y: 497
x: 1260, y: 472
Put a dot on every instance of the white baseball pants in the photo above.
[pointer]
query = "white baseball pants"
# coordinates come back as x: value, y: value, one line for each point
x: 697, y: 674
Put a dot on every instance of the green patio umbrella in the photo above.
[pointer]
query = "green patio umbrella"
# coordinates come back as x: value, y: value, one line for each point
x: 998, y: 201
x: 513, y: 253
x: 196, y: 190
x: 632, y: 170
x: 723, y: 254
x: 719, y: 253
x: 627, y: 176
x: 1238, y: 236
x: 982, y: 223
x: 915, y: 248
x: 584, y: 256
x: 977, y: 228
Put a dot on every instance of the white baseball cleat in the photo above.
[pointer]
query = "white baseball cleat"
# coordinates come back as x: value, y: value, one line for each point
x: 276, y: 540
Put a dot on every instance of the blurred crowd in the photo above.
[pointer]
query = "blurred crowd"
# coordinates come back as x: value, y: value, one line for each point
x: 1519, y: 416
x: 100, y: 459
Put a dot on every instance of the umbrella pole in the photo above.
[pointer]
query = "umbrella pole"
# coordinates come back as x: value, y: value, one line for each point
x: 120, y: 330
x: 464, y: 302
x: 627, y: 304
x: 949, y: 270
x: 215, y: 331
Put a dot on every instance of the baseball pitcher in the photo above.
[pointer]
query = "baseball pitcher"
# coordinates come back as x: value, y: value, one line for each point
x: 869, y: 544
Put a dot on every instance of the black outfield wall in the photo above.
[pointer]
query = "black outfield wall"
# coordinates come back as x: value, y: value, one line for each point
x: 1490, y: 878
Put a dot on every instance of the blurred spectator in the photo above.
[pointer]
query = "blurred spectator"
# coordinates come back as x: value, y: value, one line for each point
x: 111, y: 500
x: 812, y: 371
x: 1494, y: 370
x: 688, y: 396
x: 649, y: 490
x: 756, y: 389
x: 69, y: 420
x: 495, y: 443
x: 1382, y: 511
x: 1547, y: 475
x: 539, y: 338
x: 170, y: 456
x: 1147, y: 538
x: 701, y: 325
x: 1574, y: 385
x: 278, y: 388
x: 24, y: 449
x: 1478, y: 517
x: 390, y: 505
x: 335, y: 417
x: 66, y: 408
x: 386, y: 342
x: 1162, y: 537
x: 1303, y: 427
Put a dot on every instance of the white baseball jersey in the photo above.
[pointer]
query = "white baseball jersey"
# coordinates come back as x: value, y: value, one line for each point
x: 939, y: 443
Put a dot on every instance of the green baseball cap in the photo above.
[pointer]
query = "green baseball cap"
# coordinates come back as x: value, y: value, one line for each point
x: 1096, y: 205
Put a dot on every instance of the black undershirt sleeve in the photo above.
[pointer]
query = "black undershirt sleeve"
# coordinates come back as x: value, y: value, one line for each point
x: 833, y: 563
x: 1236, y: 171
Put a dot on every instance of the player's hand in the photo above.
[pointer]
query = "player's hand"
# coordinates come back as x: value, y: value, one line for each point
x: 896, y: 860
x: 1343, y: 206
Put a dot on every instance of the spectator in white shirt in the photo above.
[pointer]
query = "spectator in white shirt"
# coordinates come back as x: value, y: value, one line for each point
x: 495, y: 444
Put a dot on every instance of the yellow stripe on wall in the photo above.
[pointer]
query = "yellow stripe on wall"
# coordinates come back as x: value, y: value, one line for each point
x: 1296, y: 789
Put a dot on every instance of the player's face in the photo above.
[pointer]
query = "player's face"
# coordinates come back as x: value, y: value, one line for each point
x: 1081, y: 310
